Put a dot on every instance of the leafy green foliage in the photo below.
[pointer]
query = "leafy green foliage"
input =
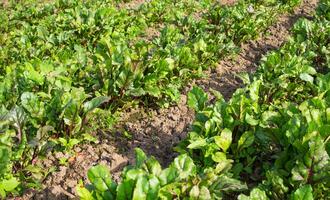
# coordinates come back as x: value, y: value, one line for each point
x: 8, y: 186
x: 272, y: 134
x: 64, y: 62
x: 277, y: 127
x: 305, y: 193
x: 147, y: 180
x: 197, y: 99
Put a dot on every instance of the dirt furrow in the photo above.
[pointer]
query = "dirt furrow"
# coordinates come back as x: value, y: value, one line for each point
x: 158, y: 131
x: 223, y: 78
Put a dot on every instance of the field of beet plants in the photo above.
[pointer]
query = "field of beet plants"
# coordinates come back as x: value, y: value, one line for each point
x: 232, y: 99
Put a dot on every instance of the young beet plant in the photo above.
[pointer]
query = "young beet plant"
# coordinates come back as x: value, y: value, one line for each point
x: 272, y: 134
x: 31, y: 129
x: 275, y: 131
x: 147, y: 180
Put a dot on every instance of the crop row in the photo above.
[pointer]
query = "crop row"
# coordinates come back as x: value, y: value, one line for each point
x: 271, y: 140
x: 34, y: 30
x: 61, y: 61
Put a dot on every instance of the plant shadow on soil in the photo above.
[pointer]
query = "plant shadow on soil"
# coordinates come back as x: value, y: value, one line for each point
x: 157, y: 131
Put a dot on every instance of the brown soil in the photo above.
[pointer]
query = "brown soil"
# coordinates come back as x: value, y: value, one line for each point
x: 227, y: 2
x: 157, y: 131
x: 3, y: 3
x: 134, y: 4
x: 223, y: 78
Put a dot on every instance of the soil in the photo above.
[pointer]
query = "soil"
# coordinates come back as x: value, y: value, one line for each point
x: 134, y: 4
x: 223, y: 78
x: 158, y: 131
x: 227, y: 2
x: 4, y: 3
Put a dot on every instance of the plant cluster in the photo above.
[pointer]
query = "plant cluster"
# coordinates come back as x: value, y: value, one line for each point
x: 66, y: 61
x: 271, y: 140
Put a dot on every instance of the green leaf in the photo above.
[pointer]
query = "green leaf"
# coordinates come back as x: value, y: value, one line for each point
x: 200, y: 45
x: 254, y: 88
x: 154, y: 186
x: 303, y: 193
x: 133, y: 174
x: 168, y: 175
x: 46, y: 68
x: 94, y: 103
x: 140, y: 157
x: 256, y: 194
x: 194, y: 192
x: 17, y: 116
x: 152, y: 90
x: 197, y: 143
x: 141, y: 188
x: 125, y: 190
x: 204, y: 193
x: 33, y: 75
x: 72, y: 143
x: 225, y: 183
x: 250, y: 120
x: 244, y: 76
x: 219, y: 157
x: 89, y: 138
x: 10, y: 184
x: 245, y: 140
x: 224, y: 140
x: 197, y: 99
x: 153, y: 166
x: 5, y: 154
x: 83, y: 193
x: 315, y: 159
x: 2, y: 193
x: 276, y: 183
x: 306, y: 77
x: 185, y: 166
x: 100, y: 177
x: 32, y: 104
x: 170, y: 63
